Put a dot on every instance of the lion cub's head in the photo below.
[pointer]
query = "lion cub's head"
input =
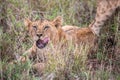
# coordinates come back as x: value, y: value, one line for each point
x: 44, y: 31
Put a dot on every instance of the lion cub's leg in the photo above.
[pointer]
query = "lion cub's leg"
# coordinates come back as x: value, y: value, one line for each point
x: 28, y: 54
x: 32, y: 51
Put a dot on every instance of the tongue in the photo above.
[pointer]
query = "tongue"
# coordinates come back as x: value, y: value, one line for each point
x: 45, y: 41
x: 42, y: 43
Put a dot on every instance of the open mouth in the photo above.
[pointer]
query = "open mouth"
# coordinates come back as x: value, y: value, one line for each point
x: 42, y: 43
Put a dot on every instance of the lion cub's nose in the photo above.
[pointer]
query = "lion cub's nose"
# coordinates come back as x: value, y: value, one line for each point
x: 39, y: 34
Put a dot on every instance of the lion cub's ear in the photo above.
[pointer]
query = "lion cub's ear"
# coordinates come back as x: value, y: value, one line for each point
x: 57, y: 21
x: 27, y: 22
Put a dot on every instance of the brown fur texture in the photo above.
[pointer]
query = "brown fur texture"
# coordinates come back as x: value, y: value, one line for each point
x: 56, y: 33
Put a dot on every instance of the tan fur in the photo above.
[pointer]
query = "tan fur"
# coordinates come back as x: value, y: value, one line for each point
x: 57, y: 33
x: 68, y: 28
x: 105, y: 9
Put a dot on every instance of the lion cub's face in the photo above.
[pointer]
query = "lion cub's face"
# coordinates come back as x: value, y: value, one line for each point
x: 43, y: 31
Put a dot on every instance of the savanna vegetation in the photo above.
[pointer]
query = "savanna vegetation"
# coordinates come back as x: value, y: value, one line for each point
x: 71, y: 63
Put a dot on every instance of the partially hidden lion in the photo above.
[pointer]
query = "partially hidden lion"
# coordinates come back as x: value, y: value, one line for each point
x: 44, y: 32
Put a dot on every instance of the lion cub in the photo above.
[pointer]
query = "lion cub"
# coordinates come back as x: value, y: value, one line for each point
x: 44, y: 32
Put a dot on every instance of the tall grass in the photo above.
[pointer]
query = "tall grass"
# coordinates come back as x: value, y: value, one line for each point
x: 71, y: 63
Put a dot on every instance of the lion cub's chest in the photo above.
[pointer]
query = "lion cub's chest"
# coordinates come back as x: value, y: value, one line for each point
x: 41, y: 54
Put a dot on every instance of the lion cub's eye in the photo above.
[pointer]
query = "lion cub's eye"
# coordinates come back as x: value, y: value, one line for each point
x: 35, y: 27
x: 46, y: 27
